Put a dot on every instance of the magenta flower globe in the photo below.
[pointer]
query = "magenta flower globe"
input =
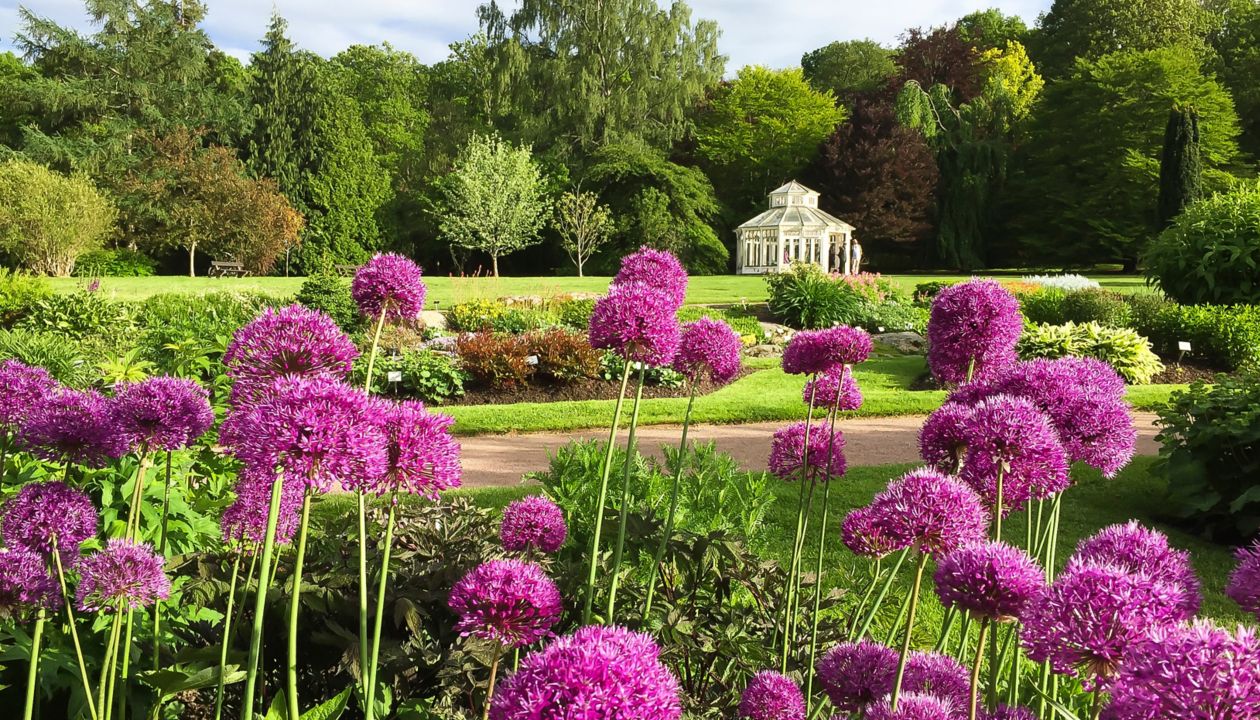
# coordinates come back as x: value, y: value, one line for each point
x: 47, y: 513
x: 532, y: 523
x: 1137, y: 549
x: 771, y: 696
x: 604, y: 673
x: 291, y: 342
x: 73, y: 426
x: 856, y: 674
x: 866, y: 534
x: 162, y: 413
x: 938, y: 675
x: 125, y: 575
x: 244, y: 522
x: 25, y: 584
x: 1244, y: 581
x: 391, y: 284
x: 931, y: 512
x: 972, y: 331
x: 825, y: 460
x: 24, y: 387
x: 989, y: 580
x: 708, y: 348
x: 1010, y: 437
x: 1008, y: 712
x: 817, y: 351
x: 943, y: 437
x: 510, y: 602
x: 916, y: 706
x: 834, y: 388
x: 657, y: 269
x: 422, y: 457
x: 637, y: 322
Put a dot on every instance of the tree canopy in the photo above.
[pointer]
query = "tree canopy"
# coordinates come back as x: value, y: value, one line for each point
x: 850, y: 67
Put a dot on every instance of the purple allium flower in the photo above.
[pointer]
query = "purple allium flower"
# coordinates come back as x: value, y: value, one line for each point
x: 162, y: 413
x: 930, y: 511
x: 511, y: 602
x: 941, y: 676
x: 1103, y: 436
x: 1244, y: 582
x: 1137, y: 549
x: 389, y: 282
x: 1196, y: 671
x: 972, y: 323
x: 244, y: 522
x: 291, y: 342
x: 656, y: 269
x: 834, y: 387
x: 532, y: 522
x: 636, y: 322
x: 826, y: 452
x: 856, y: 674
x: 816, y: 351
x: 422, y: 457
x: 866, y: 535
x: 1010, y: 435
x: 317, y: 430
x: 73, y: 426
x: 24, y: 387
x: 42, y: 511
x: 989, y: 580
x: 916, y: 706
x: 124, y: 574
x: 771, y: 696
x: 25, y: 584
x: 943, y: 437
x: 1090, y: 616
x: 597, y: 673
x: 708, y: 347
x: 1008, y: 712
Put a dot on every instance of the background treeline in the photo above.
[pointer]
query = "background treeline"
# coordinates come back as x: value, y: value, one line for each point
x: 983, y: 143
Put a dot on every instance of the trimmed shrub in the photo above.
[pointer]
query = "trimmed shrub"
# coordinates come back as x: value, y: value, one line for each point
x: 330, y: 294
x: 1226, y: 337
x: 1123, y: 349
x: 1211, y: 252
x: 433, y: 377
x: 495, y: 360
x: 1043, y: 306
x: 1096, y: 305
x: 114, y: 263
x: 19, y: 292
x: 565, y: 356
x: 179, y: 330
x: 803, y: 296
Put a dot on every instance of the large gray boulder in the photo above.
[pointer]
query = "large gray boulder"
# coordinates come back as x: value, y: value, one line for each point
x: 906, y: 343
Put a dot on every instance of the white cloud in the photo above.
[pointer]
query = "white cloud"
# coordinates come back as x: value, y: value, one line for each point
x: 766, y: 32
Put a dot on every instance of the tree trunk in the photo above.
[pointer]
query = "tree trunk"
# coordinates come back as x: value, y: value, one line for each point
x: 495, y: 260
x: 192, y: 258
x: 579, y: 264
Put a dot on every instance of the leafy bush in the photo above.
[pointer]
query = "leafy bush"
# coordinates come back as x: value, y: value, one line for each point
x: 121, y: 262
x: 611, y: 367
x: 495, y: 360
x: 1211, y: 252
x: 1226, y: 337
x: 186, y: 334
x: 1096, y: 305
x: 433, y: 377
x: 19, y: 292
x: 925, y: 292
x: 575, y: 313
x: 745, y: 325
x: 476, y: 315
x: 803, y: 296
x: 1043, y: 306
x: 892, y: 315
x: 1210, y: 444
x: 1127, y: 352
x: 77, y: 315
x: 63, y: 360
x: 1069, y: 282
x: 565, y: 356
x: 330, y: 294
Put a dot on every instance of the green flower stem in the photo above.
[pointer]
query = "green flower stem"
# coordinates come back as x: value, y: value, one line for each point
x: 66, y: 601
x: 1013, y: 682
x: 606, y: 470
x: 376, y: 343
x: 901, y: 617
x: 994, y: 672
x: 105, y: 700
x: 260, y: 603
x: 997, y: 506
x: 818, y: 591
x: 250, y: 581
x: 964, y: 631
x: 797, y: 537
x: 975, y: 670
x: 951, y: 614
x: 137, y: 496
x: 125, y: 669
x: 32, y: 672
x: 295, y: 603
x: 883, y: 593
x: 624, y: 508
x: 4, y: 455
x: 157, y: 607
x: 363, y: 603
x: 1096, y: 705
x: 673, y: 506
x: 227, y: 637
x: 494, y: 671
x: 876, y: 573
x: 370, y: 673
x: 905, y: 645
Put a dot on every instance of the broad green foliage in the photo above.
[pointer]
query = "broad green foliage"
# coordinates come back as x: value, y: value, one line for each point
x: 806, y: 297
x: 1226, y: 337
x: 1123, y: 349
x: 1211, y: 253
x: 330, y: 294
x: 65, y: 361
x: 1090, y: 29
x: 119, y: 262
x: 1236, y: 40
x: 991, y: 29
x: 847, y: 67
x: 19, y: 292
x: 48, y: 219
x: 1095, y: 305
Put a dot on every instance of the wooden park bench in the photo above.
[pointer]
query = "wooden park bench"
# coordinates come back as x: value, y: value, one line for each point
x: 346, y: 270
x: 227, y: 268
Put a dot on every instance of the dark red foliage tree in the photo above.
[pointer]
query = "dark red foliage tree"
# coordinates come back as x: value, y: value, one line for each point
x: 939, y: 56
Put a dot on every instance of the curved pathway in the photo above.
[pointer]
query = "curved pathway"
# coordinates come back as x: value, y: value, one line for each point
x: 498, y: 460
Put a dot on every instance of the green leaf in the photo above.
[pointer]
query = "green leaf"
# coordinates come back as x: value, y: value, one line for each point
x: 170, y: 681
x: 278, y: 709
x: 329, y: 709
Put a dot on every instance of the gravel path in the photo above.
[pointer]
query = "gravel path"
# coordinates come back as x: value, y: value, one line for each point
x: 497, y: 460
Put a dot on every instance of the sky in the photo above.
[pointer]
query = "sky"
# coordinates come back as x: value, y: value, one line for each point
x: 762, y: 32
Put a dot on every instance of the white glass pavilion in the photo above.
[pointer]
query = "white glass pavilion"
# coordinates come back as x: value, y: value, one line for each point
x: 792, y: 230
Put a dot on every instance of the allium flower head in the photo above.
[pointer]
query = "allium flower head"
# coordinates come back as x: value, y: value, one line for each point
x: 834, y: 388
x: 291, y: 342
x: 123, y: 575
x: 943, y: 437
x: 930, y: 511
x: 389, y: 282
x: 1196, y: 671
x: 708, y: 347
x: 1244, y: 582
x: 1137, y: 549
x: 816, y: 351
x: 532, y: 522
x: 47, y: 510
x: 866, y: 534
x: 25, y: 584
x: 24, y: 387
x: 656, y: 269
x: 915, y: 706
x: 72, y: 426
x: 975, y: 323
x: 1009, y: 435
x: 511, y: 602
x: 638, y: 322
x: 597, y: 673
x: 422, y: 457
x: 826, y: 452
x: 989, y: 580
x: 244, y: 522
x: 316, y: 430
x: 856, y: 674
x: 941, y: 676
x: 162, y: 413
x: 1008, y: 712
x: 771, y: 696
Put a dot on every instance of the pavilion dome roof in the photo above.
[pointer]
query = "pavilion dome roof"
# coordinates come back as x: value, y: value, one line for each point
x: 793, y: 205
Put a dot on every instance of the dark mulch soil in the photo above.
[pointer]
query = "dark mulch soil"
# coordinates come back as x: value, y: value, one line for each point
x: 1176, y: 373
x: 582, y: 390
x: 926, y: 382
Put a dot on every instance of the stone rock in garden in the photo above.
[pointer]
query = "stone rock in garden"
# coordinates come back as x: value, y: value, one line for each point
x: 770, y: 351
x: 908, y: 343
x: 433, y: 319
x: 777, y: 334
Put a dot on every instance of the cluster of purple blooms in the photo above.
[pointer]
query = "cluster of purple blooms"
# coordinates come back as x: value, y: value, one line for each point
x: 972, y: 331
x: 510, y: 602
x: 532, y: 523
x: 991, y: 580
x: 389, y: 286
x: 637, y: 319
x: 824, y: 461
x: 858, y: 677
x: 926, y: 510
x: 772, y: 696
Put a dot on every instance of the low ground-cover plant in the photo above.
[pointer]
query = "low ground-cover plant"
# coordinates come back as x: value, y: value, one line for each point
x: 19, y: 292
x: 565, y: 356
x: 1124, y: 350
x: 78, y: 315
x: 1068, y: 281
x: 65, y: 361
x: 496, y: 360
x: 431, y: 376
x: 805, y: 297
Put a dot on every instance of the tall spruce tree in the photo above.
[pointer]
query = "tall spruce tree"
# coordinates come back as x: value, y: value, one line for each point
x: 1180, y: 165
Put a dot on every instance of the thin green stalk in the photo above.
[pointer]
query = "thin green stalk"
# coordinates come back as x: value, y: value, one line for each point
x: 794, y: 564
x: 227, y: 638
x: 380, y: 600
x: 376, y: 344
x: 975, y: 670
x: 157, y: 606
x: 794, y: 578
x: 883, y: 593
x: 137, y: 496
x: 818, y: 591
x: 32, y: 672
x: 905, y: 645
x: 260, y: 603
x: 994, y: 672
x: 363, y: 604
x: 588, y: 601
x: 295, y: 604
x: 876, y: 573
x: 125, y: 671
x: 1096, y: 706
x: 88, y: 697
x: 494, y: 671
x: 997, y: 507
x: 951, y: 614
x: 250, y: 581
x: 624, y: 508
x: 673, y: 506
x: 963, y: 632
x: 895, y: 628
x: 106, y: 689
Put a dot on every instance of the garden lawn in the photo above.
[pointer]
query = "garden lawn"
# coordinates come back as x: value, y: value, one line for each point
x: 766, y: 394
